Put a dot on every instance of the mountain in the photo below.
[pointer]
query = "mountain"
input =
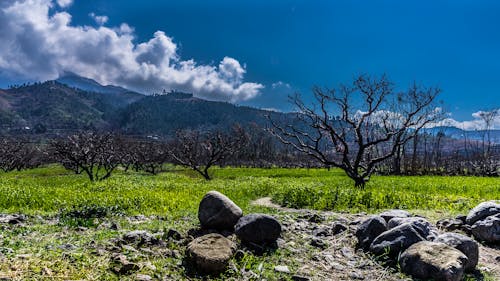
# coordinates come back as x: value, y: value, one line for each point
x: 460, y: 134
x: 90, y: 85
x: 52, y: 105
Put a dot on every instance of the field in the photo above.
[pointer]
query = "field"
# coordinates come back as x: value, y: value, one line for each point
x: 68, y: 233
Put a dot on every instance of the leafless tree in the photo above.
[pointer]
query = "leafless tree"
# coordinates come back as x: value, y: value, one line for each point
x: 93, y: 153
x: 17, y: 154
x: 200, y: 151
x: 374, y: 121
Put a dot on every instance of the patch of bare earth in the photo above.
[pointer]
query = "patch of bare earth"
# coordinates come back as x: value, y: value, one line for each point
x: 323, y: 251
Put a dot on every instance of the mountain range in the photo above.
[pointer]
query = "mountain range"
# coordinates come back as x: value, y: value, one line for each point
x: 73, y: 103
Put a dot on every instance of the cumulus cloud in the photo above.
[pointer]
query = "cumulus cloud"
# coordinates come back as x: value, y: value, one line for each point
x: 100, y: 20
x: 40, y: 43
x: 64, y: 3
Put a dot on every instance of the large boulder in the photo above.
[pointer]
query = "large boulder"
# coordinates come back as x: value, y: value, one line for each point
x: 210, y: 253
x: 483, y: 210
x: 464, y: 244
x: 218, y: 212
x: 368, y: 230
x: 395, y: 240
x: 422, y: 225
x: 258, y: 229
x: 488, y: 229
x: 430, y: 260
x: 388, y: 215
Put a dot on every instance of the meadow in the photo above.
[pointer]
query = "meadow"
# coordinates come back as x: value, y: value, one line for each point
x: 176, y: 192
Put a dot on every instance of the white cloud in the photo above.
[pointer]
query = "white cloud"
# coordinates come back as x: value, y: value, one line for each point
x: 100, y: 20
x: 280, y: 84
x: 39, y: 46
x: 477, y: 123
x: 64, y: 3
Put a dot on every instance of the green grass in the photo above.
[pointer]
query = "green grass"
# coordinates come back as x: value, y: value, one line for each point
x: 57, y: 202
x: 177, y: 193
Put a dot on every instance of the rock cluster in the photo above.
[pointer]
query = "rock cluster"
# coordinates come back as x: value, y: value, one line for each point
x: 219, y: 217
x: 423, y: 252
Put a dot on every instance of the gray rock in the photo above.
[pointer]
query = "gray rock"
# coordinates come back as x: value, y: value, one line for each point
x: 258, y: 229
x: 395, y: 240
x: 210, y: 253
x: 143, y: 277
x: 483, y: 210
x: 450, y: 224
x: 487, y: 230
x: 338, y: 228
x: 368, y: 230
x: 431, y: 260
x: 388, y: 215
x: 422, y: 225
x: 464, y: 244
x: 282, y: 269
x: 218, y: 212
x: 141, y: 237
x: 121, y: 265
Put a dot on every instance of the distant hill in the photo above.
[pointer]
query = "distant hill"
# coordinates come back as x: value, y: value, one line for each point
x: 90, y: 85
x: 460, y: 134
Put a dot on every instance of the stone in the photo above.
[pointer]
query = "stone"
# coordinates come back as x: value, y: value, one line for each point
x: 422, y: 225
x: 143, y: 277
x: 368, y: 230
x: 395, y: 240
x: 300, y: 278
x: 450, y: 224
x: 483, y: 210
x: 174, y: 234
x: 140, y: 237
x: 218, y: 212
x: 488, y: 229
x: 338, y: 228
x: 121, y: 265
x: 388, y: 215
x: 210, y: 253
x: 282, y: 269
x: 258, y: 228
x: 464, y: 244
x: 318, y: 243
x: 430, y: 260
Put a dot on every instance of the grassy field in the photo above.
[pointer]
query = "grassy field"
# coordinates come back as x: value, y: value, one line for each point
x: 52, y: 245
x: 177, y: 192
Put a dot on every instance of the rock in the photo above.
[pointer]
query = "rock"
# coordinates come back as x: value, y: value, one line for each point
x: 121, y: 265
x: 422, y: 225
x: 395, y: 240
x: 174, y: 234
x: 258, y: 229
x: 217, y: 211
x: 368, y: 230
x: 12, y: 219
x: 210, y: 253
x: 464, y: 244
x: 487, y: 230
x: 450, y: 224
x: 321, y: 231
x: 318, y: 243
x: 338, y: 228
x: 388, y: 215
x: 431, y: 260
x: 141, y: 237
x: 300, y: 278
x: 483, y: 210
x: 282, y: 269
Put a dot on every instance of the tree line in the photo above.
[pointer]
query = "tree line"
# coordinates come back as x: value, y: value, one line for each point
x: 363, y: 128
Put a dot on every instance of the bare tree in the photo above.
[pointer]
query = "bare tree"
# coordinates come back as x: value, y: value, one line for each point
x: 17, y: 154
x: 374, y: 121
x: 200, y: 151
x: 93, y: 153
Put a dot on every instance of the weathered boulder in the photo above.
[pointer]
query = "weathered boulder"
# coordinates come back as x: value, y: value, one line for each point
x: 395, y: 240
x: 422, y: 225
x: 483, y: 210
x: 258, y: 229
x: 210, y: 253
x: 368, y: 230
x: 488, y: 229
x: 464, y: 244
x: 388, y: 215
x: 431, y: 260
x: 218, y: 212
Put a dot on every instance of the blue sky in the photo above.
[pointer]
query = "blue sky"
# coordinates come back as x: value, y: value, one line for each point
x: 258, y: 52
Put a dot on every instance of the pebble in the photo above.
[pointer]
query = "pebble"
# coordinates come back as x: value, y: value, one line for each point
x: 282, y: 269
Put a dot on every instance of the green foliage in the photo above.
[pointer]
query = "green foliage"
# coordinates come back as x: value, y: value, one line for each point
x: 177, y: 193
